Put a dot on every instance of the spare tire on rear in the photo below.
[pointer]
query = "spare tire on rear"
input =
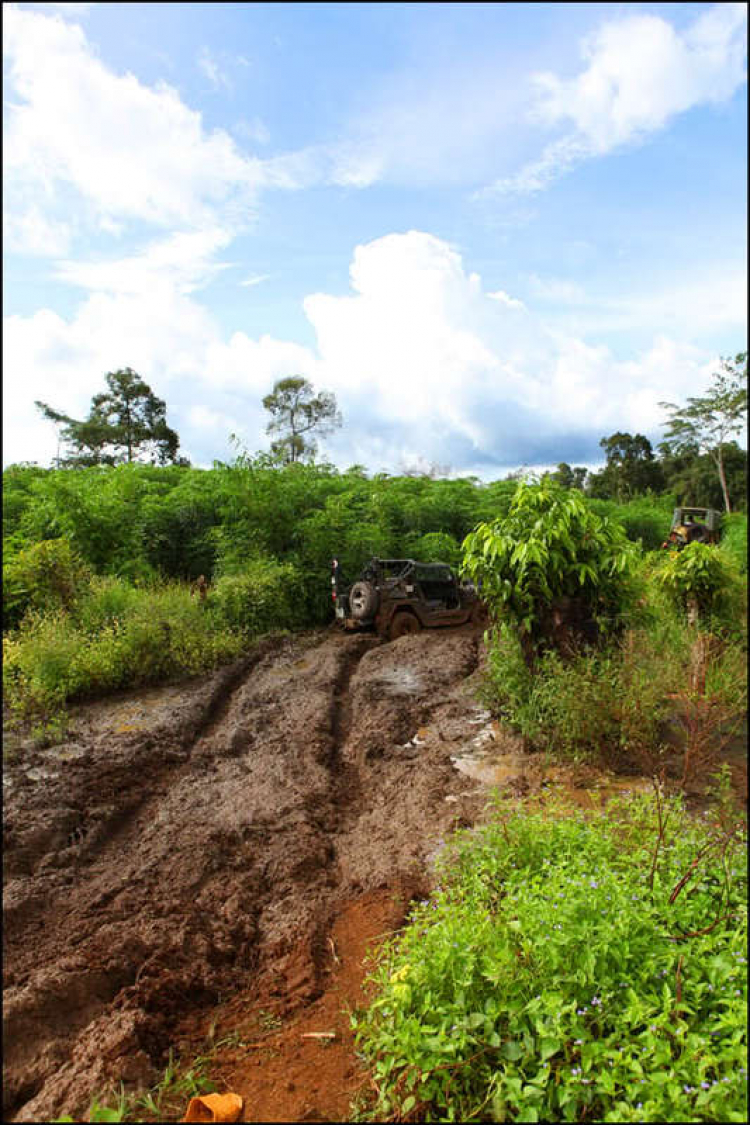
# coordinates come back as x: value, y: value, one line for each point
x: 363, y: 600
x: 697, y: 533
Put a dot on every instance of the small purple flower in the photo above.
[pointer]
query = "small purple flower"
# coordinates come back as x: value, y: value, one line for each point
x: 705, y: 1085
x: 688, y: 1089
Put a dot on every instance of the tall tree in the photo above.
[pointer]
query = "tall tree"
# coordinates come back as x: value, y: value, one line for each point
x: 125, y: 422
x: 707, y: 422
x: 297, y: 413
x: 631, y: 468
x: 568, y: 477
x: 563, y: 475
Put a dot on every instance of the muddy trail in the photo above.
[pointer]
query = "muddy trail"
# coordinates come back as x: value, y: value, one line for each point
x: 202, y: 867
x: 201, y: 842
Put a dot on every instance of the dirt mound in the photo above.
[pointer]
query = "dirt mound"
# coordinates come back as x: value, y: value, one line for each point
x: 201, y: 840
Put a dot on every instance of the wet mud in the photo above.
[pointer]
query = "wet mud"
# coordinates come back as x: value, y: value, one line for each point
x: 200, y: 841
x: 208, y: 862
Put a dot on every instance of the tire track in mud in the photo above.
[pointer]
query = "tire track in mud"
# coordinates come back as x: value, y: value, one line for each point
x: 241, y: 828
x: 99, y: 857
x: 341, y: 707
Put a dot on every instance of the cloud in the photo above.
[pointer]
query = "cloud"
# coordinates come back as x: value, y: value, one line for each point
x: 423, y: 361
x: 558, y: 289
x: 439, y: 370
x: 505, y: 299
x: 254, y: 130
x: 712, y: 299
x: 82, y: 139
x: 439, y: 119
x: 180, y: 263
x: 256, y: 280
x: 208, y: 65
x: 29, y: 231
x: 640, y: 73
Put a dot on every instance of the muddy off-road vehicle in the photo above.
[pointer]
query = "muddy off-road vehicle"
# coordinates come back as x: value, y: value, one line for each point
x: 693, y: 525
x: 399, y: 596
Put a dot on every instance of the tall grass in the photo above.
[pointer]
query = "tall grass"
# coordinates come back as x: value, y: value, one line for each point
x: 734, y: 538
x: 114, y: 635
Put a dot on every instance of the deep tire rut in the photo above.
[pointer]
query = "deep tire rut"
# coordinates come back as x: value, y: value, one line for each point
x: 211, y: 852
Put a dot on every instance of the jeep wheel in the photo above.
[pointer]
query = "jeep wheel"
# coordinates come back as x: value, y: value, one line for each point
x: 363, y: 600
x: 402, y: 624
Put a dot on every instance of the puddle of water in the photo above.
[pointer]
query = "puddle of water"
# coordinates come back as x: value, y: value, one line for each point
x: 401, y: 681
x: 491, y: 757
x: 40, y: 773
x: 490, y: 769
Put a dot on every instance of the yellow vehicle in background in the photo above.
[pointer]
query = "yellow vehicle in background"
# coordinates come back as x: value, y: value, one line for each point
x: 693, y: 525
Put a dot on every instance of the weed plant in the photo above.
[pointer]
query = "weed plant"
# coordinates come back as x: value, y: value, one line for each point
x: 162, y: 1102
x: 570, y: 968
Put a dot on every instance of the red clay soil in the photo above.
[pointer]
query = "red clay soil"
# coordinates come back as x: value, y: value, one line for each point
x: 294, y: 1074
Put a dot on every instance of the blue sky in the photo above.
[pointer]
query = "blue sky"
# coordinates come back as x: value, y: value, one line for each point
x: 496, y: 232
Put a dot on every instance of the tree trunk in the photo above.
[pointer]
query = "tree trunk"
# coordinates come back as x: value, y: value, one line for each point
x: 720, y: 466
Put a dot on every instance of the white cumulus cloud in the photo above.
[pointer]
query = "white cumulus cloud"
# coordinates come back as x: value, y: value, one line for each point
x: 425, y: 363
x: 639, y: 73
x: 80, y: 138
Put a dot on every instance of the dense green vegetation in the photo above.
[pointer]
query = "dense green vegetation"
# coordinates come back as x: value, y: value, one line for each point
x: 597, y: 649
x: 98, y: 561
x: 570, y: 968
x: 549, y: 563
